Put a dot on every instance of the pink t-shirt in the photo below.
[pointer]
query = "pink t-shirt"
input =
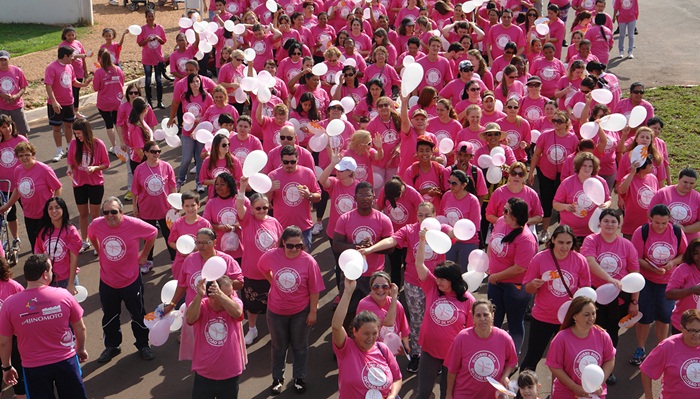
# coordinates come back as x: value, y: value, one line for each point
x: 549, y: 72
x: 218, y: 339
x: 628, y: 10
x: 178, y: 59
x: 180, y: 87
x: 207, y: 173
x: 532, y: 109
x: 342, y: 200
x: 570, y: 191
x: 11, y: 82
x: 572, y: 354
x: 516, y: 90
x: 109, y: 86
x: 60, y: 77
x: 625, y: 166
x: 258, y: 237
x: 152, y: 52
x: 445, y: 316
x: 685, y: 209
x: 213, y: 111
x: 400, y: 327
x: 617, y: 258
x: 152, y: 185
x: 8, y: 160
x: 114, y: 51
x: 684, y: 276
x: 501, y: 195
x: 360, y: 371
x: 515, y: 134
x: 180, y: 228
x: 123, y: 117
x: 229, y: 74
x: 356, y: 228
x: 625, y: 107
x: 555, y: 149
x: 435, y: 73
x: 290, y: 207
x: 437, y: 176
x: 119, y: 248
x: 386, y: 74
x: 59, y: 245
x: 191, y: 272
x: 78, y: 63
x: 135, y: 139
x: 637, y: 200
x: 677, y: 362
x: 8, y: 288
x: 484, y: 150
x: 271, y: 133
x: 48, y: 309
x: 466, y: 208
x: 223, y: 211
x: 454, y: 89
x: 390, y: 140
x: 499, y: 36
x: 601, y: 42
x: 518, y: 252
x: 552, y: 294
x: 467, y: 134
x: 406, y: 207
x: 408, y: 237
x: 658, y: 250
x: 81, y: 176
x: 493, y: 117
x: 288, y: 69
x: 35, y: 186
x: 293, y: 280
x: 263, y: 48
x: 474, y: 359
x: 196, y: 105
x: 241, y: 148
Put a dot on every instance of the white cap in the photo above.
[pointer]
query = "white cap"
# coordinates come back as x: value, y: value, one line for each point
x: 336, y: 102
x: 346, y: 163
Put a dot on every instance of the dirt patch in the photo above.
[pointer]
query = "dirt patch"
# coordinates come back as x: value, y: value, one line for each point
x: 106, y: 16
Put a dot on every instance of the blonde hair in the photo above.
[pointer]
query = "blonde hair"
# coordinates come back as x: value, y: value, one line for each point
x: 358, y: 138
x: 331, y: 51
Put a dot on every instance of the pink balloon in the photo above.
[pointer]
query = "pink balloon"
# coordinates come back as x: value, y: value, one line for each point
x: 393, y: 341
x: 498, y: 159
x: 213, y: 268
x: 160, y: 332
x: 464, y: 229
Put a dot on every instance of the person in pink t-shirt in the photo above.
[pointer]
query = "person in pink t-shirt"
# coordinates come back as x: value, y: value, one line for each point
x: 675, y: 358
x: 637, y: 190
x: 241, y: 142
x: 295, y: 283
x: 364, y: 364
x: 109, y: 85
x: 683, y: 202
x: 215, y: 315
x: 151, y: 41
x: 578, y: 344
x: 552, y: 276
x: 271, y: 125
x: 601, y: 39
x: 626, y: 13
x: 515, y: 188
x: 684, y: 285
x: 187, y: 225
x: 9, y: 287
x: 11, y: 92
x: 117, y: 238
x: 426, y: 176
x: 644, y: 137
x: 220, y: 160
x: 35, y: 183
x: 478, y: 353
x: 436, y: 68
x: 383, y: 302
x: 51, y: 347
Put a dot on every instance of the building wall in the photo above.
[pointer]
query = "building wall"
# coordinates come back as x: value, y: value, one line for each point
x: 50, y: 12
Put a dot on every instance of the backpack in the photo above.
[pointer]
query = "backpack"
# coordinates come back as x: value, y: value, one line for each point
x: 676, y: 232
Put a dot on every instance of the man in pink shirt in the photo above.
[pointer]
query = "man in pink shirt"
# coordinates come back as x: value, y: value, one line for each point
x: 557, y: 29
x: 42, y: 318
x: 436, y: 68
x: 294, y: 189
x: 499, y: 35
x: 59, y: 80
x: 636, y: 97
x: 117, y: 238
x: 13, y: 84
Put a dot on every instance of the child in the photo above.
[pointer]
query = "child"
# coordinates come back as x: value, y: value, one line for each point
x: 114, y: 49
x: 527, y: 385
x: 69, y: 37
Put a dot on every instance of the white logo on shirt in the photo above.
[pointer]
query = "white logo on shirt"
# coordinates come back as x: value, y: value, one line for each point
x: 453, y: 215
x: 259, y: 47
x: 56, y: 248
x: 690, y: 372
x: 363, y: 233
x: 610, y: 262
x: 497, y: 246
x: 114, y: 248
x: 67, y: 340
x: 644, y: 196
x: 556, y: 154
x: 532, y: 113
x: 374, y: 376
x: 227, y: 215
x: 584, y: 358
x: 513, y: 137
x: 361, y: 172
x: 7, y: 84
x: 556, y: 286
x: 216, y: 332
x: 7, y: 157
x: 433, y: 77
x: 66, y: 79
x: 660, y: 252
x: 483, y: 364
x: 443, y: 312
x: 241, y: 153
x: 680, y: 212
x: 264, y: 240
x: 399, y: 214
x: 548, y: 73
x: 194, y: 108
x: 291, y: 195
x: 26, y: 187
x: 344, y: 203
x: 287, y: 279
x: 389, y: 137
x: 154, y: 185
x: 502, y: 40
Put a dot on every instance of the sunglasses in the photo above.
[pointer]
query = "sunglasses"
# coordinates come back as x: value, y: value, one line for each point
x: 296, y: 53
x: 262, y: 208
x: 454, y: 183
x: 294, y: 246
x: 517, y: 174
x: 382, y: 105
x: 337, y: 107
x: 349, y: 75
x: 224, y: 145
x: 475, y: 90
x: 512, y: 106
x: 288, y: 138
x: 510, y: 52
x: 135, y: 93
x: 534, y: 85
x: 110, y: 212
x: 532, y: 15
x: 378, y: 286
x: 512, y: 76
x: 239, y: 59
x: 468, y: 70
x: 491, y: 134
x: 557, y: 121
x: 154, y: 152
x: 203, y: 242
x: 637, y: 92
x: 290, y: 162
x: 585, y: 91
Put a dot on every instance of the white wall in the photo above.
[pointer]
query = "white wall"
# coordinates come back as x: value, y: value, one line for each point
x: 50, y: 12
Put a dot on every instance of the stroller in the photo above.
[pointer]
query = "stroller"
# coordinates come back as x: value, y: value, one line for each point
x: 133, y: 5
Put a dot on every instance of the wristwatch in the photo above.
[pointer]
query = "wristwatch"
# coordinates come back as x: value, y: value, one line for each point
x: 8, y: 368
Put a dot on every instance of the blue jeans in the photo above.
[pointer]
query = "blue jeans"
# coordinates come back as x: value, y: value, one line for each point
x: 148, y: 70
x: 65, y: 376
x: 626, y: 30
x: 306, y: 239
x: 459, y: 254
x: 510, y: 300
x: 286, y: 331
x: 190, y: 148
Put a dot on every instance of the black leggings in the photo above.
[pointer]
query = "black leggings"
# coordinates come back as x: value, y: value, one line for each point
x: 166, y: 234
x: 397, y: 259
x: 609, y: 315
x: 540, y: 335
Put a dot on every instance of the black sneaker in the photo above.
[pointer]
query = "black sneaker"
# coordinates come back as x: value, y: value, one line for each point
x: 299, y: 385
x: 413, y: 364
x: 277, y: 386
x: 612, y: 380
x: 108, y: 354
x: 147, y: 353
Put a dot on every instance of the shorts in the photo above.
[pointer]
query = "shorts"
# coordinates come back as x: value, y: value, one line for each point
x: 110, y: 118
x: 65, y: 116
x: 19, y: 119
x: 255, y: 295
x: 654, y: 305
x: 90, y: 193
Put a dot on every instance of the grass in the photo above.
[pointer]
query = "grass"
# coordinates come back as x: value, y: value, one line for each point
x: 20, y: 39
x: 679, y: 108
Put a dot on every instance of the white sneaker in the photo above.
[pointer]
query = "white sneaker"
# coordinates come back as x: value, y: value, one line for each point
x: 621, y: 55
x: 250, y: 337
x: 193, y: 170
x: 201, y: 188
x: 113, y: 3
x: 630, y: 56
x: 59, y: 155
x: 146, y: 267
x: 317, y: 229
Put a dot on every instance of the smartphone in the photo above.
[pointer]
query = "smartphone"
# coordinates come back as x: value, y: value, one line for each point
x: 209, y: 283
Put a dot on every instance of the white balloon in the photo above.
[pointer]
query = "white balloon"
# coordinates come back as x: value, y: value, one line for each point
x: 498, y: 160
x: 190, y: 36
x: 188, y: 117
x: 468, y: 6
x: 473, y: 280
x: 578, y: 109
x: 542, y: 29
x: 633, y: 282
x: 637, y: 116
x: 613, y: 122
x: 212, y: 38
x: 254, y: 162
x: 412, y: 101
x: 222, y: 132
x: 185, y: 126
x: 378, y: 181
x: 351, y: 62
x: 249, y: 54
x: 499, y: 104
x: 175, y: 200
x: 335, y: 127
x: 348, y: 104
x: 203, y: 136
x: 587, y: 292
x: 392, y: 341
x: 494, y: 175
x: 173, y: 141
x: 350, y: 255
x: 159, y: 134
x: 497, y: 150
x: 213, y: 268
x: 638, y: 153
x: 160, y: 332
x: 240, y: 96
x: 176, y: 316
x: 82, y: 293
x: 200, y: 26
x: 352, y: 270
x: 485, y: 161
x: 439, y: 242
x: 446, y: 145
x: 319, y: 69
x: 212, y: 27
x: 365, y: 14
x: 264, y: 94
x: 168, y: 290
x: 594, y: 221
x: 408, y: 60
x: 271, y: 5
x: 135, y: 30
x: 204, y: 47
x: 198, y: 55
x: 464, y: 229
x: 229, y: 25
x: 239, y: 29
x: 318, y: 142
x: 412, y: 76
x: 208, y: 144
x: 478, y: 261
x: 185, y: 23
x: 260, y: 182
x: 592, y: 378
x: 318, y: 170
x: 430, y: 224
x: 561, y: 313
x: 594, y: 190
x: 534, y: 135
x: 499, y: 76
x: 607, y: 293
x: 589, y: 130
x: 249, y: 83
x: 603, y: 96
x: 185, y: 244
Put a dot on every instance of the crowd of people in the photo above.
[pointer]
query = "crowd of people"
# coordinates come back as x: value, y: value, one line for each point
x: 507, y: 128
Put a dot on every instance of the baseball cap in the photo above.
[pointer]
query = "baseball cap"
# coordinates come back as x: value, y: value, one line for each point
x: 465, y: 65
x: 466, y: 147
x: 419, y: 112
x: 423, y: 139
x: 4, y: 54
x: 534, y: 79
x: 346, y: 163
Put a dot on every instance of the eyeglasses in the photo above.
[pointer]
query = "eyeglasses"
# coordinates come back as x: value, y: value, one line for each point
x: 293, y: 162
x: 239, y: 59
x: 491, y: 134
x: 262, y: 208
x: 517, y: 174
x: 512, y: 106
x: 224, y: 145
x: 154, y: 152
x: 506, y: 211
x: 475, y: 90
x: 296, y: 53
x: 637, y: 92
x: 135, y: 93
x: 288, y: 138
x: 454, y: 183
x: 110, y: 212
x: 383, y: 105
x: 294, y: 246
x: 378, y: 286
x: 203, y: 242
x: 557, y: 121
x: 692, y: 331
x: 468, y: 70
